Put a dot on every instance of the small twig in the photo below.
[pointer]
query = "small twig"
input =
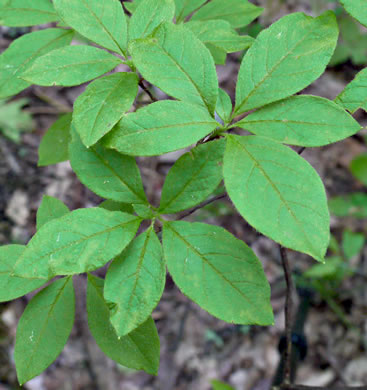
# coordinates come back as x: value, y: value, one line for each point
x: 51, y: 101
x: 288, y: 315
x: 301, y: 150
x: 146, y: 90
x: 201, y: 205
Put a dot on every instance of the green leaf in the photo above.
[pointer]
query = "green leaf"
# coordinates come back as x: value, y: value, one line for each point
x: 44, y: 329
x: 352, y: 205
x: 12, y: 287
x: 285, y: 58
x: 219, y: 33
x: 357, y: 9
x: 186, y: 7
x: 68, y: 66
x: 218, y: 272
x: 27, y: 13
x: 54, y: 145
x: 224, y: 106
x: 144, y: 211
x: 109, y: 174
x: 80, y: 241
x: 14, y: 120
x: 179, y: 64
x: 302, y: 120
x: 102, y: 105
x: 219, y: 55
x: 22, y: 53
x: 159, y: 128
x: 278, y: 193
x: 193, y: 177
x: 359, y: 168
x: 238, y: 13
x: 328, y: 270
x: 138, y: 350
x: 149, y: 15
x: 217, y: 385
x: 112, y: 205
x: 103, y: 22
x: 135, y: 282
x: 131, y: 7
x: 50, y: 208
x: 354, y: 96
x: 352, y: 243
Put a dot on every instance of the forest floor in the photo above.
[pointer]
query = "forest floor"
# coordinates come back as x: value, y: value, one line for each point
x: 195, y: 347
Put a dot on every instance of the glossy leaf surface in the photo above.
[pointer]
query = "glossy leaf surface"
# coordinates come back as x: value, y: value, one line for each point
x: 149, y: 15
x: 178, y: 63
x: 218, y: 272
x: 50, y: 208
x: 159, y: 128
x: 22, y: 53
x: 27, y: 13
x: 72, y: 65
x: 193, y: 177
x: 138, y: 350
x: 55, y: 143
x: 302, y: 120
x: 134, y: 282
x: 103, y: 22
x: 285, y: 58
x: 278, y: 193
x: 80, y: 241
x: 44, y: 328
x: 109, y: 174
x: 12, y: 287
x: 102, y: 105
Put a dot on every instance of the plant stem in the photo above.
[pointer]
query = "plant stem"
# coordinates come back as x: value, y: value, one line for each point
x: 288, y: 315
x: 146, y: 90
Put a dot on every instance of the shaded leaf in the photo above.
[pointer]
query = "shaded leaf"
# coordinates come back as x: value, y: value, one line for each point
x: 193, y: 177
x: 68, y: 66
x: 354, y: 96
x: 285, y: 58
x: 103, y: 22
x: 179, y: 64
x: 27, y: 13
x: 12, y: 287
x: 55, y: 143
x: 278, y: 193
x: 217, y: 385
x: 138, y: 350
x: 224, y: 106
x: 50, y: 208
x: 134, y: 282
x: 218, y: 272
x: 302, y: 120
x: 14, y: 120
x: 149, y: 15
x: 44, y: 329
x: 22, y: 53
x: 219, y: 33
x: 159, y: 128
x: 102, y: 105
x: 80, y: 241
x: 352, y: 205
x: 358, y: 167
x: 109, y: 174
x: 238, y: 13
x: 112, y: 205
x: 186, y: 7
x: 352, y: 243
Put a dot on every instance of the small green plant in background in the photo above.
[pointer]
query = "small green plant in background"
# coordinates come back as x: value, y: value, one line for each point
x: 13, y: 120
x: 272, y: 187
